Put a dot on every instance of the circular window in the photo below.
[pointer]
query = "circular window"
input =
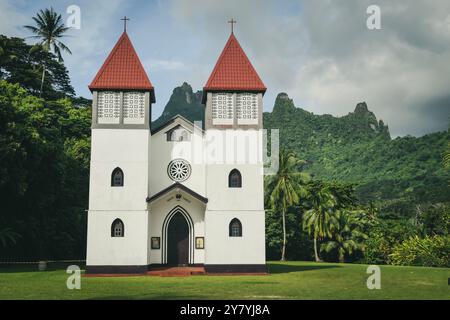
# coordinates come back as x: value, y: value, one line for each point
x: 179, y: 170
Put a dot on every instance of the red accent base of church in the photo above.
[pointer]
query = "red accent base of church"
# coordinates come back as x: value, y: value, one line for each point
x: 177, y: 271
x: 170, y: 271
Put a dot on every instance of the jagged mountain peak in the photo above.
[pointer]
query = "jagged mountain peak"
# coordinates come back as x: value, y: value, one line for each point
x: 183, y: 101
x: 283, y: 103
x: 361, y: 108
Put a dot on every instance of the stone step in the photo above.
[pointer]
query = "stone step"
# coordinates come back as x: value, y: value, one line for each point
x: 177, y: 271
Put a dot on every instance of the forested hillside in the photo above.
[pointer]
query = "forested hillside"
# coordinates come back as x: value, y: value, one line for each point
x: 44, y: 157
x: 357, y: 148
x: 185, y: 102
x: 44, y: 170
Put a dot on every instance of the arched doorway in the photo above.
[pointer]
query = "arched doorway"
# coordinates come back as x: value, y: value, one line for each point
x: 178, y: 240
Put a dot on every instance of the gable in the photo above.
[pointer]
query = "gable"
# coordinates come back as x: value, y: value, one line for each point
x: 174, y: 122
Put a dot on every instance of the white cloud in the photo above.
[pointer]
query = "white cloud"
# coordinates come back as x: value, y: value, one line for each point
x: 319, y: 52
x: 168, y: 65
x: 322, y: 54
x: 8, y: 14
x: 93, y: 41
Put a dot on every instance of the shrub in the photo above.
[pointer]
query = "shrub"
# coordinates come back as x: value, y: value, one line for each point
x: 427, y: 252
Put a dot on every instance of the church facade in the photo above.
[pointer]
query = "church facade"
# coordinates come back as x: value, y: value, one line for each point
x: 180, y: 194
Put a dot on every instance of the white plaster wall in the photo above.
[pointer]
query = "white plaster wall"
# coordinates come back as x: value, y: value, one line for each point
x: 161, y: 208
x: 106, y: 250
x: 160, y: 157
x: 221, y: 197
x: 127, y: 149
x: 223, y: 249
x: 241, y: 150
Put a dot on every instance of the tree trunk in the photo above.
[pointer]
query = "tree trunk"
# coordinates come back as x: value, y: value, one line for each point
x: 341, y: 257
x: 283, y: 251
x: 316, y: 254
x: 42, y: 82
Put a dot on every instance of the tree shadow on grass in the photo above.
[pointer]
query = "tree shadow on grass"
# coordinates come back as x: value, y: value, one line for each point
x: 33, y: 267
x: 275, y: 268
x: 168, y: 296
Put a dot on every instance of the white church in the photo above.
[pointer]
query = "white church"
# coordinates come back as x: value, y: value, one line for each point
x: 179, y: 194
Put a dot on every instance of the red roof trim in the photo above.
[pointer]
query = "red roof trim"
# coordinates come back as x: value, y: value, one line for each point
x: 122, y: 69
x: 234, y: 71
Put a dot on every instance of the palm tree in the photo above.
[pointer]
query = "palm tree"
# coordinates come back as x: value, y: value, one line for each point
x: 347, y: 233
x: 49, y: 28
x: 8, y: 235
x: 286, y: 187
x: 318, y: 220
x: 446, y: 158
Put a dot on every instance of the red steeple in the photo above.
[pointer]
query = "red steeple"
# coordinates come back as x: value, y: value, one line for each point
x: 233, y: 71
x: 122, y: 70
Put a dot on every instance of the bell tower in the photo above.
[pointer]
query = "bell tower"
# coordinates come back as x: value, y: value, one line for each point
x: 234, y: 90
x: 233, y: 96
x: 120, y: 141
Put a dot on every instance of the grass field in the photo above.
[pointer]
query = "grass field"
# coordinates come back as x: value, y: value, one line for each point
x: 290, y: 280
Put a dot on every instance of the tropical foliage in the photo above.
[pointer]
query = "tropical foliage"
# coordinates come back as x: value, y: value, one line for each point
x: 48, y: 29
x: 286, y: 187
x: 44, y: 162
x: 428, y: 251
x: 8, y: 236
x: 19, y: 63
x: 348, y: 233
x: 318, y: 221
x: 356, y: 196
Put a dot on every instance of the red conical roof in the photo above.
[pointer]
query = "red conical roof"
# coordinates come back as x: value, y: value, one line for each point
x: 122, y: 70
x: 233, y: 71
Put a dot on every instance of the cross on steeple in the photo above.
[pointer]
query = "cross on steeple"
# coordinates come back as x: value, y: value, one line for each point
x: 232, y: 22
x: 125, y: 19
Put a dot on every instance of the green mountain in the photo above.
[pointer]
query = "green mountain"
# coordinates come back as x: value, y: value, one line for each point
x: 185, y: 102
x: 355, y: 148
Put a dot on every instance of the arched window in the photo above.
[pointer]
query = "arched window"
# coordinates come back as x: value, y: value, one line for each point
x: 117, y: 228
x: 178, y: 133
x: 184, y: 136
x: 174, y: 135
x: 117, y: 178
x: 234, y: 179
x: 235, y: 228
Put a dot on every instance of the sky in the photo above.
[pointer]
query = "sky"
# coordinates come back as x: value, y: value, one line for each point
x: 320, y: 53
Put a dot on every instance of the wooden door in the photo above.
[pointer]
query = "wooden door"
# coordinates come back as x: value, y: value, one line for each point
x: 178, y: 241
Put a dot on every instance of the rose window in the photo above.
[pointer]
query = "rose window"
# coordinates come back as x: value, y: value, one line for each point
x: 179, y: 170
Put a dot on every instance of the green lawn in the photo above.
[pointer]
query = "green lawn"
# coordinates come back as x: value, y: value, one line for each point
x: 290, y: 280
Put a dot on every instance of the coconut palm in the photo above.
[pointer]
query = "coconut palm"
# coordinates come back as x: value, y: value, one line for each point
x: 318, y: 221
x: 446, y: 158
x: 49, y: 28
x: 348, y: 233
x: 287, y: 188
x: 7, y: 235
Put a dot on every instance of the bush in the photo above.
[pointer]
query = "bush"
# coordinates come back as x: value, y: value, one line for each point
x: 377, y: 250
x: 427, y: 252
x: 384, y: 236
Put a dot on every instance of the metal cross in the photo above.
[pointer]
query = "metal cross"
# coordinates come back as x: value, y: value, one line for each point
x: 125, y: 19
x: 232, y: 22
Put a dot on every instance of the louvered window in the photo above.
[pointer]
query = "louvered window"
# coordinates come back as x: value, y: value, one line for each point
x: 134, y: 107
x: 222, y: 108
x: 247, y: 108
x: 108, y: 107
